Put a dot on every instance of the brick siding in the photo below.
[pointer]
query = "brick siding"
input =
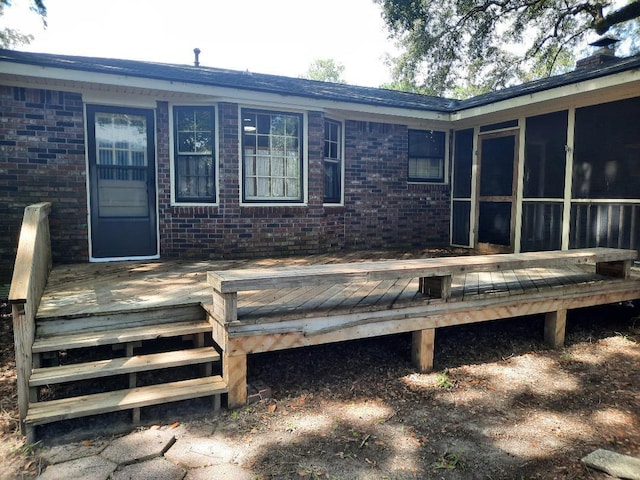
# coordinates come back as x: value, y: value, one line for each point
x: 42, y: 159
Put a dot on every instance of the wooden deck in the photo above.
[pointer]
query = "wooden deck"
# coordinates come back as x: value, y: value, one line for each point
x: 127, y: 302
x: 148, y: 333
x: 98, y: 289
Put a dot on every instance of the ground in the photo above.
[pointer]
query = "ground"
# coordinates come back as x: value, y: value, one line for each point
x: 499, y: 405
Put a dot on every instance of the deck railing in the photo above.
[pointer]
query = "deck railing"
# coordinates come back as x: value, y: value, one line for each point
x: 32, y: 266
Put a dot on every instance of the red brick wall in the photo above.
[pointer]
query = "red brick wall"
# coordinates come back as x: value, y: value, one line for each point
x: 229, y: 230
x: 42, y: 159
x: 382, y: 209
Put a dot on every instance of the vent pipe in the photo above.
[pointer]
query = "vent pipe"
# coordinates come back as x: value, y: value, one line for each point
x: 196, y: 62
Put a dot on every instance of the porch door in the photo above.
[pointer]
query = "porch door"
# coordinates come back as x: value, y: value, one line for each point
x: 121, y: 151
x: 496, y: 192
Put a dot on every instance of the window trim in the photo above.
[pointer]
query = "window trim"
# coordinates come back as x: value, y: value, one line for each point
x: 172, y: 157
x: 303, y: 143
x: 445, y: 159
x: 341, y: 151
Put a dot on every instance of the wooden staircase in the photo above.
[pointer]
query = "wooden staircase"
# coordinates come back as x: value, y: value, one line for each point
x: 112, y: 353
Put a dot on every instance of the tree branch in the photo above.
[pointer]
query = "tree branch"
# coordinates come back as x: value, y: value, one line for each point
x: 624, y: 14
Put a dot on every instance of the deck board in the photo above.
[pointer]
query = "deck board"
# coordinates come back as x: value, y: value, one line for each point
x: 99, y: 289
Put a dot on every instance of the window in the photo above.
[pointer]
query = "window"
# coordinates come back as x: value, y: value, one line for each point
x: 272, y: 156
x: 426, y: 156
x: 332, y: 162
x: 194, y: 145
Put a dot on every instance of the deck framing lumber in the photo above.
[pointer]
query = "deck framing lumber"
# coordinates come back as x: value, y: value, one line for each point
x: 108, y: 337
x: 237, y: 280
x: 554, y: 328
x: 75, y: 407
x: 123, y: 365
x: 301, y: 333
x: 423, y: 342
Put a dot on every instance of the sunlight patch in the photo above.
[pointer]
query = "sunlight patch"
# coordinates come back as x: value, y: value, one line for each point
x: 613, y: 416
x: 366, y: 411
x: 540, y: 435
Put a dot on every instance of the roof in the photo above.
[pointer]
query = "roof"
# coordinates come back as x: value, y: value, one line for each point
x: 217, y: 77
x: 299, y: 87
x: 580, y: 75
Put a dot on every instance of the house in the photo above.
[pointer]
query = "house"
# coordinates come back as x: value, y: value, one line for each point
x: 140, y: 160
x: 145, y: 160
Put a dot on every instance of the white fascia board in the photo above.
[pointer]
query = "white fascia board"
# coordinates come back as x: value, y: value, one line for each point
x: 81, y: 81
x: 565, y: 94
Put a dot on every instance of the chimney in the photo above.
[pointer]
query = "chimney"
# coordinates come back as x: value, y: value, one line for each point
x: 605, y: 54
x: 196, y: 62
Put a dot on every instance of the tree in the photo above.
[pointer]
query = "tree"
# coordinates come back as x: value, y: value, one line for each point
x: 481, y: 45
x: 325, y: 70
x: 10, y: 37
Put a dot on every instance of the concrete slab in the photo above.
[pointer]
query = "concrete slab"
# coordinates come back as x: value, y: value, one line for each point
x: 87, y: 468
x: 138, y: 447
x: 193, y: 452
x: 615, y: 464
x: 72, y: 451
x: 221, y: 472
x: 156, y: 469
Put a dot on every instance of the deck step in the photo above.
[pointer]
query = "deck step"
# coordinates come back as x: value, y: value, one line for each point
x: 110, y: 337
x: 118, y: 366
x: 41, y: 413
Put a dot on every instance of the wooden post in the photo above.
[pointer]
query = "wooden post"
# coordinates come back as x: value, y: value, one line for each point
x: 436, y: 287
x: 225, y: 307
x: 621, y: 269
x: 554, y: 328
x: 30, y: 273
x: 235, y: 373
x: 422, y: 349
x: 23, y: 334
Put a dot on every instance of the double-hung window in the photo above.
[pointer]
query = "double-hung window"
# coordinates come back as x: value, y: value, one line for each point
x: 194, y: 160
x: 426, y: 156
x: 272, y: 156
x: 332, y: 162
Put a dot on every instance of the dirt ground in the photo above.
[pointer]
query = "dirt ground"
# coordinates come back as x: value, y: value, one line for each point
x: 499, y: 405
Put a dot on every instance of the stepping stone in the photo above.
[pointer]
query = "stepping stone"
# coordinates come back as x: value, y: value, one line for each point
x: 94, y: 468
x: 73, y: 451
x: 138, y: 447
x: 615, y: 464
x: 200, y: 452
x: 156, y: 469
x: 225, y: 471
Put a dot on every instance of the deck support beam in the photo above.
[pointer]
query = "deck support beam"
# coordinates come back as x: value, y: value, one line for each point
x: 554, y: 328
x: 422, y: 346
x: 435, y: 287
x: 620, y: 269
x: 235, y: 373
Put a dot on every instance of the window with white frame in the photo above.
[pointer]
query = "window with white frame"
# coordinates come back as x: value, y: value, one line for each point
x: 426, y: 156
x: 194, y: 160
x: 332, y: 161
x: 272, y: 156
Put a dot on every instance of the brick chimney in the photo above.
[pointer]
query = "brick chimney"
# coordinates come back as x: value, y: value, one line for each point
x: 605, y: 54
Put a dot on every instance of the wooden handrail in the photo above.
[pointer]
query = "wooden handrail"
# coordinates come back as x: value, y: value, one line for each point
x: 32, y: 266
x: 243, y: 279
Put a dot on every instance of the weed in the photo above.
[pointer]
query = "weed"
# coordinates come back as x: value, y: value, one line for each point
x: 27, y: 449
x: 443, y: 380
x: 450, y: 461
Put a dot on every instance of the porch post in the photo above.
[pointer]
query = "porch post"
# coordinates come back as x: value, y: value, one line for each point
x: 554, y: 328
x: 422, y: 349
x: 235, y: 373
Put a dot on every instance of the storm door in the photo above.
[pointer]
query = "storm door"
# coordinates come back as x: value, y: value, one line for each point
x: 122, y: 182
x: 496, y: 191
